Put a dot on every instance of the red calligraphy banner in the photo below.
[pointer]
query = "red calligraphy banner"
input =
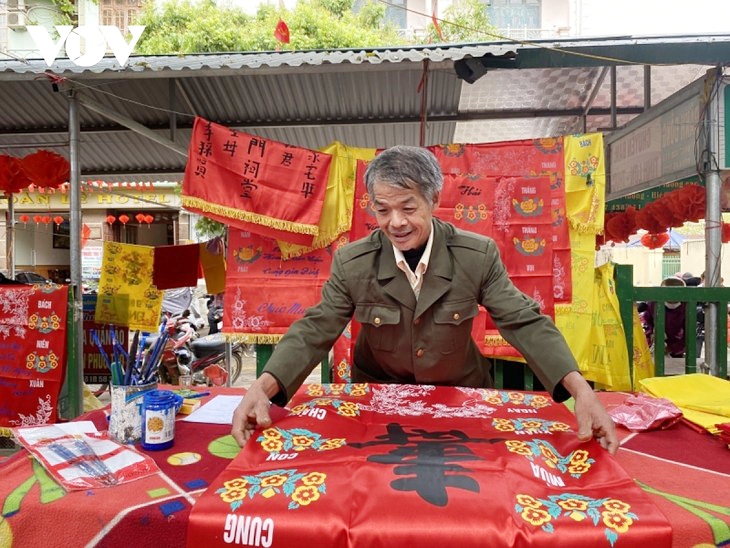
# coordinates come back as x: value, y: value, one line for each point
x: 33, y: 356
x: 405, y: 465
x: 251, y: 183
x: 264, y: 294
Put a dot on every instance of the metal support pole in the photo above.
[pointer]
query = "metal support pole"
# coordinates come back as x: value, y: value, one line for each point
x: 75, y: 374
x: 713, y: 230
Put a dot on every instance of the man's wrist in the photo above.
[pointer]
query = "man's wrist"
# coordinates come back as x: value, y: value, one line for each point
x: 269, y: 384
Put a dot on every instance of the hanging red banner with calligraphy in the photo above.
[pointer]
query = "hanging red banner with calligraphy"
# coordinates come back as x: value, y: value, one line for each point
x: 405, y: 465
x: 33, y: 357
x: 253, y: 183
x: 264, y: 294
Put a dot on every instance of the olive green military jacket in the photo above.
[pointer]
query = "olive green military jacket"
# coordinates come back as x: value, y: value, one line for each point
x: 424, y: 341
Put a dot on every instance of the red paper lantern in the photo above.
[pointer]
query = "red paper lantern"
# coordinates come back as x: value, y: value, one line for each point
x: 110, y: 219
x: 139, y: 217
x: 46, y: 219
x: 654, y: 241
x: 12, y: 177
x: 58, y: 220
x: 124, y: 219
x: 149, y: 219
x: 24, y: 219
x: 37, y: 219
x: 46, y: 169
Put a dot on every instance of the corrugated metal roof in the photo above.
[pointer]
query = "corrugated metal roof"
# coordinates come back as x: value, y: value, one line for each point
x: 366, y: 98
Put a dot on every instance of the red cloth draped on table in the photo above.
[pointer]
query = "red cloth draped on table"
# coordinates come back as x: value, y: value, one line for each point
x: 512, y: 192
x: 265, y: 294
x: 405, y: 465
x: 255, y: 184
x: 33, y: 357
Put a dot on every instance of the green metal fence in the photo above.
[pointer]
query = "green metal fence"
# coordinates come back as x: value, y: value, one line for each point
x: 629, y: 295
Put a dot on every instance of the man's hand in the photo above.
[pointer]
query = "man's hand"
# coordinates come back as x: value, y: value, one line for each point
x: 593, y: 420
x: 253, y: 411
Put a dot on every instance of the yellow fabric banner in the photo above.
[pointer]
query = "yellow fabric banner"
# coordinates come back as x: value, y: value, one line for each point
x: 607, y: 360
x: 643, y: 361
x: 336, y: 215
x: 585, y: 182
x: 127, y: 295
x: 703, y: 399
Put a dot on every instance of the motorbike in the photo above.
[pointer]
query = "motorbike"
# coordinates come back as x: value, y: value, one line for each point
x: 201, y: 357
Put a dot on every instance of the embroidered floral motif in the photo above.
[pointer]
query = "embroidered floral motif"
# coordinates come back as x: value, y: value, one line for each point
x: 576, y: 463
x: 302, y: 489
x: 614, y: 514
x: 529, y: 426
x: 241, y: 320
x: 355, y: 389
x: 276, y: 440
x: 406, y: 400
x: 42, y: 415
x: 502, y: 397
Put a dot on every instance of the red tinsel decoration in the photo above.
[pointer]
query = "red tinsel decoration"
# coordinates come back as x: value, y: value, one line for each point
x: 12, y: 177
x: 46, y: 169
x: 654, y: 241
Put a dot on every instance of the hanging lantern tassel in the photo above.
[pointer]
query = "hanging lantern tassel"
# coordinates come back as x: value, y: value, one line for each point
x: 37, y: 219
x: 24, y: 219
x: 124, y: 219
x: 110, y: 219
x: 149, y: 219
x: 139, y: 217
x: 46, y: 219
x: 58, y: 220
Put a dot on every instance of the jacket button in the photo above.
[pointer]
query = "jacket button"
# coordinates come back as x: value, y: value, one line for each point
x: 420, y: 353
x: 456, y: 315
x: 377, y: 321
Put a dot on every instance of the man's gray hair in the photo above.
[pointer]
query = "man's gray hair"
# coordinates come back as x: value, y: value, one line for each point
x: 409, y: 167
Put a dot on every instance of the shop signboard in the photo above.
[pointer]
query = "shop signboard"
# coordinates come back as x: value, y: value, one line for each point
x: 95, y: 368
x: 641, y: 199
x: 657, y: 147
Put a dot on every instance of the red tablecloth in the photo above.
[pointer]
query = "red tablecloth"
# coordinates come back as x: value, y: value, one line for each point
x: 686, y: 474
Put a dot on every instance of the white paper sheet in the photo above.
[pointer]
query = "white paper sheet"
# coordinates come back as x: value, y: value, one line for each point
x: 219, y: 410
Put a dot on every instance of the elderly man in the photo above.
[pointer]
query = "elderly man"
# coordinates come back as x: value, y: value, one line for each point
x: 415, y: 285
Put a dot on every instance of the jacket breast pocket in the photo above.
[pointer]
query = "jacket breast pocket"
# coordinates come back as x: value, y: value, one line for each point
x: 380, y: 325
x: 452, y: 325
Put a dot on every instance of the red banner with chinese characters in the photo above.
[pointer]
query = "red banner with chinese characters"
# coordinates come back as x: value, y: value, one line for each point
x: 265, y: 294
x: 405, y: 465
x: 251, y: 183
x: 32, y: 353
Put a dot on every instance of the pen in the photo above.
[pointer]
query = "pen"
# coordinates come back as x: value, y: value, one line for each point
x: 198, y: 395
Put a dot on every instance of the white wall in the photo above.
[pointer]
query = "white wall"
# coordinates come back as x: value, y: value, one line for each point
x: 646, y: 17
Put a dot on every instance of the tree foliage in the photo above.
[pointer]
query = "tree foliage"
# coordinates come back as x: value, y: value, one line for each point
x: 464, y: 21
x: 200, y: 26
